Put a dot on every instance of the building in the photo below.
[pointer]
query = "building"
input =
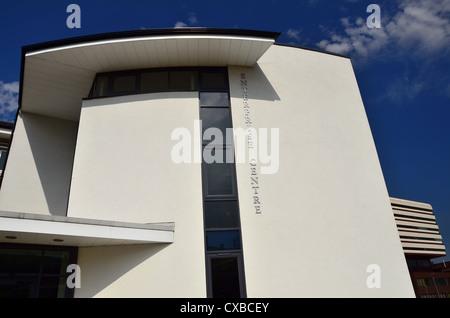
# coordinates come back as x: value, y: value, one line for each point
x: 194, y: 162
x: 422, y: 242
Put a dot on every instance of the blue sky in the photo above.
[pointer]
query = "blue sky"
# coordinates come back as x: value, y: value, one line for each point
x: 402, y: 68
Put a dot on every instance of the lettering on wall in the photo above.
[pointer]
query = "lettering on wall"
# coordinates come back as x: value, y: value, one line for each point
x: 251, y: 146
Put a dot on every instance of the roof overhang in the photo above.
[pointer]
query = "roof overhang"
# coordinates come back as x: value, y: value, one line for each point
x: 57, y: 75
x: 28, y: 228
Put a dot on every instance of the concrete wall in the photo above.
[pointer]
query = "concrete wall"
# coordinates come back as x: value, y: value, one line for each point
x: 325, y: 214
x: 37, y: 176
x: 123, y: 171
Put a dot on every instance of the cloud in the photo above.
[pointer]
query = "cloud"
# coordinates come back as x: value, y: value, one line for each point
x: 293, y: 34
x: 192, y: 21
x: 180, y: 24
x: 422, y: 25
x: 405, y: 88
x: 8, y: 100
x: 192, y: 18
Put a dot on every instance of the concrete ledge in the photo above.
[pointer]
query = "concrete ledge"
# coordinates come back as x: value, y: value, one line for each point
x: 27, y: 228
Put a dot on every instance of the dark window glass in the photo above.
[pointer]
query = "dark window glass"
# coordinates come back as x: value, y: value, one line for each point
x: 219, y: 179
x: 214, y: 81
x: 183, y: 80
x: 55, y: 262
x: 216, y: 118
x: 223, y: 240
x: 2, y: 159
x: 225, y: 277
x: 48, y: 287
x: 221, y: 214
x: 214, y: 99
x: 154, y: 82
x: 20, y: 261
x: 34, y: 272
x: 124, y: 84
x: 18, y: 287
x: 100, y: 86
x: 441, y: 281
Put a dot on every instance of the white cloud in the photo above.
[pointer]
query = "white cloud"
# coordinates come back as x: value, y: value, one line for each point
x: 293, y: 34
x: 192, y: 21
x: 180, y: 24
x: 8, y: 98
x: 424, y: 24
x: 419, y: 24
x: 192, y: 18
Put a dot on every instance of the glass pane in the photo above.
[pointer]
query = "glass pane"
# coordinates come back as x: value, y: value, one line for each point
x: 183, y: 80
x: 223, y: 240
x: 19, y: 261
x: 215, y: 118
x: 219, y: 178
x: 49, y: 287
x: 2, y: 159
x: 55, y: 262
x: 221, y: 214
x: 100, y: 86
x: 124, y: 83
x: 18, y: 288
x: 225, y: 277
x: 214, y: 99
x: 214, y: 81
x: 154, y: 82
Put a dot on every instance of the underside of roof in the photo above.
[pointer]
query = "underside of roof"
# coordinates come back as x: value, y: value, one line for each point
x: 57, y: 75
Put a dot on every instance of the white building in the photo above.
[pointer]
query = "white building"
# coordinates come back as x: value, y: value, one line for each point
x: 105, y: 171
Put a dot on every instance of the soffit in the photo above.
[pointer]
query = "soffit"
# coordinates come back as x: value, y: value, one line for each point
x: 56, y: 79
x: 28, y: 228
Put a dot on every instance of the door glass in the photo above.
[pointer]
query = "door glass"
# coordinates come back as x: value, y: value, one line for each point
x: 225, y: 277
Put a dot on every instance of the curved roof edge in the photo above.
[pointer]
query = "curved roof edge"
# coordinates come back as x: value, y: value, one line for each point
x: 150, y: 32
x: 311, y: 49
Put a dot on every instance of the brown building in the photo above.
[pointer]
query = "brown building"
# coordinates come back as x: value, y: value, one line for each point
x: 422, y: 242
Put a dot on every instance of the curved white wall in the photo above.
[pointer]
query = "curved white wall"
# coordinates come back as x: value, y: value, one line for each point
x: 325, y: 215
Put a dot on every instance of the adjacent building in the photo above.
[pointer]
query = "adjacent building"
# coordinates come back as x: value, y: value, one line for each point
x: 422, y: 242
x: 194, y: 162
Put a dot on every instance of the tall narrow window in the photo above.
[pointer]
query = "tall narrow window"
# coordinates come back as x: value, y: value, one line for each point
x: 225, y: 270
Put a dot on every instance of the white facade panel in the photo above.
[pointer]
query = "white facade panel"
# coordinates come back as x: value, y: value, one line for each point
x: 37, y: 179
x: 125, y: 145
x: 325, y: 214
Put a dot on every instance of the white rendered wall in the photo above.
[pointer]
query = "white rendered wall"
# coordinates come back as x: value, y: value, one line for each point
x: 37, y: 176
x: 123, y: 171
x: 325, y: 215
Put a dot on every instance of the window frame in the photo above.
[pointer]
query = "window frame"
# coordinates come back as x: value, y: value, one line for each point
x: 137, y: 73
x: 240, y: 267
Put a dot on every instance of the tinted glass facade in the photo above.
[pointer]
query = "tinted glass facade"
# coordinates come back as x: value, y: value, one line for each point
x: 32, y: 271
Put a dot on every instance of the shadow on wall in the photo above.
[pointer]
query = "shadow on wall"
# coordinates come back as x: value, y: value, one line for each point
x: 100, y: 267
x: 52, y: 142
x: 144, y: 97
x: 259, y: 87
